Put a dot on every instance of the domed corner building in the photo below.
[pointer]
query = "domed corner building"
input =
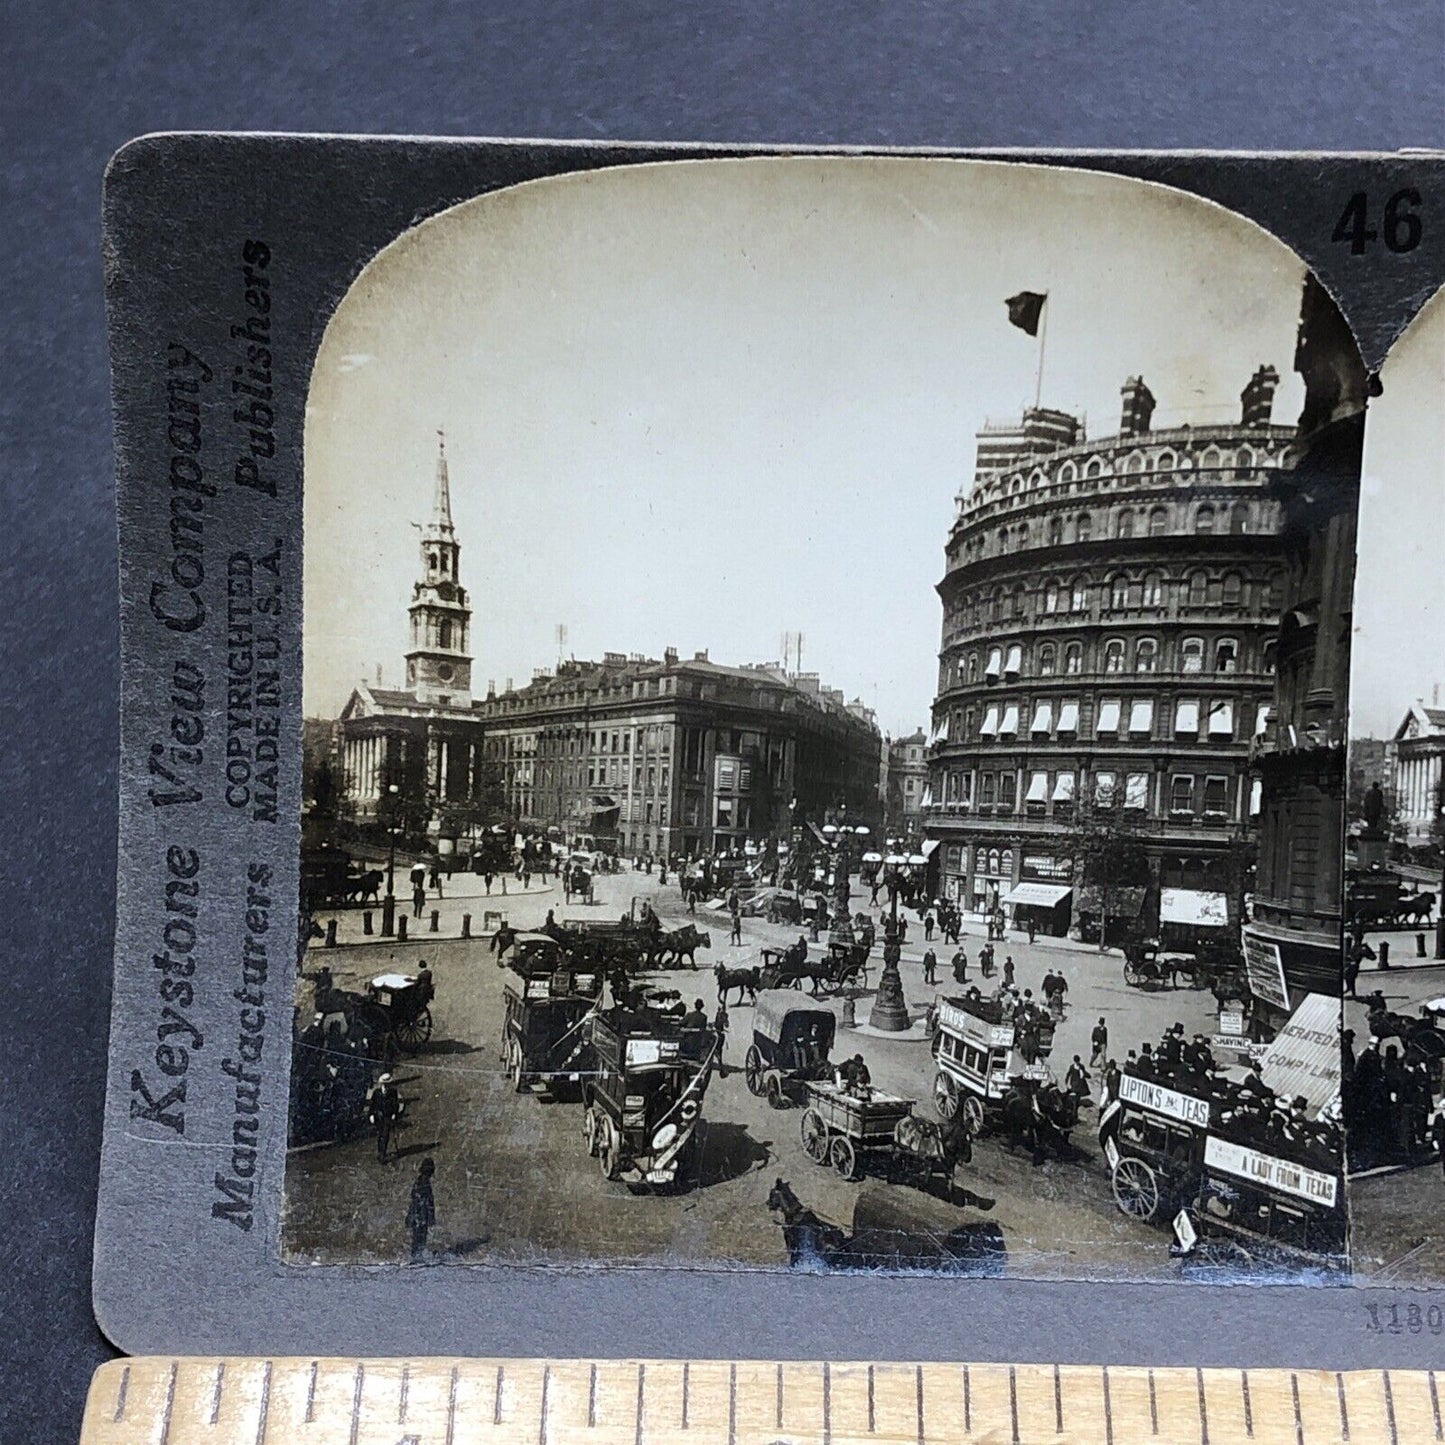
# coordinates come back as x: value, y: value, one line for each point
x: 1110, y: 609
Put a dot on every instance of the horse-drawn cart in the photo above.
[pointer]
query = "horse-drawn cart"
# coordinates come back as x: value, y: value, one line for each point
x: 790, y: 1046
x: 850, y: 1130
x: 401, y: 1004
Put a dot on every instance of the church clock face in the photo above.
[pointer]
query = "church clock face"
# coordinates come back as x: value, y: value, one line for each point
x: 444, y: 671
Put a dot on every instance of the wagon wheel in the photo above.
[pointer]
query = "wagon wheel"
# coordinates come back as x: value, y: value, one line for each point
x: 514, y: 1064
x: 1134, y: 973
x: 753, y: 1070
x: 814, y: 1134
x: 843, y: 1157
x: 945, y: 1095
x: 1136, y: 1190
x: 412, y: 1033
x: 590, y: 1135
x: 776, y: 1098
x: 608, y: 1150
x: 973, y: 1112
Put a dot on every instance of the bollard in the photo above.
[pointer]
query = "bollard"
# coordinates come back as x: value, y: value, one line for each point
x: 331, y: 932
x: 401, y: 928
x: 1384, y: 954
x: 849, y: 1019
x: 366, y: 923
x: 436, y: 918
x: 466, y: 925
x: 1419, y: 945
x: 388, y: 916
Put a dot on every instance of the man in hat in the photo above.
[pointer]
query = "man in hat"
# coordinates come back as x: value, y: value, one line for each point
x: 1099, y: 1040
x: 383, y: 1109
x: 853, y: 1075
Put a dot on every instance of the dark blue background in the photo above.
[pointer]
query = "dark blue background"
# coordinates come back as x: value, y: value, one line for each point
x: 80, y: 80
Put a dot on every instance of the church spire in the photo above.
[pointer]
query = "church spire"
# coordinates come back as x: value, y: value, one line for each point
x: 440, y: 526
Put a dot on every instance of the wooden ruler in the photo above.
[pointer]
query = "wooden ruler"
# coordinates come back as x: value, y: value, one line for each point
x: 744, y: 1402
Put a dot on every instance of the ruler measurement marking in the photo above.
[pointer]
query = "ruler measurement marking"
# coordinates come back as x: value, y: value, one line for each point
x: 311, y: 1394
x: 1435, y: 1405
x: 732, y: 1404
x: 497, y: 1401
x: 170, y: 1403
x: 779, y: 1402
x: 1203, y: 1408
x: 124, y: 1390
x: 1344, y: 1409
x: 967, y: 1404
x: 872, y: 1422
x: 918, y: 1398
x: 452, y: 1402
x: 1153, y: 1406
x: 1390, y: 1407
x: 641, y: 1382
x: 546, y: 1391
x: 592, y: 1396
x: 401, y: 1399
x: 686, y: 1385
x: 1013, y: 1404
x: 1248, y: 1407
x: 1058, y: 1403
x: 216, y: 1392
x: 1108, y: 1410
x: 356, y: 1384
x: 1299, y: 1428
x: 264, y: 1414
x: 827, y: 1404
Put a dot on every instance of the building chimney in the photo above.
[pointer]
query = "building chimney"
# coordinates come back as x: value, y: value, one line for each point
x: 1138, y: 407
x: 491, y: 687
x: 509, y: 684
x: 700, y: 656
x: 1256, y: 401
x: 669, y: 656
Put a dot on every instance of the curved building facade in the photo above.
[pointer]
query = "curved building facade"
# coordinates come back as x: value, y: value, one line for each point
x: 1109, y: 614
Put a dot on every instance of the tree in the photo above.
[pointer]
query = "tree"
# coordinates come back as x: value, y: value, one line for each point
x: 1108, y: 856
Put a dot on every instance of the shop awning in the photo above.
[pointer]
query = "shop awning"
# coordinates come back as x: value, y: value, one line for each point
x: 926, y: 801
x: 1068, y: 717
x: 1141, y: 715
x: 1304, y: 1059
x: 995, y: 662
x: 1043, y: 718
x: 990, y: 722
x: 1108, y: 717
x: 929, y: 845
x: 1038, y: 789
x: 1064, y: 788
x: 1221, y: 720
x: 1010, y: 724
x: 1039, y: 895
x: 1193, y: 906
x: 1186, y: 717
x: 1014, y: 661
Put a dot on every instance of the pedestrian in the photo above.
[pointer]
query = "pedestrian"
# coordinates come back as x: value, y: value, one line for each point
x: 434, y: 877
x: 418, y: 874
x: 1008, y: 971
x: 720, y: 1028
x: 418, y: 899
x: 691, y: 892
x: 383, y: 1109
x: 737, y: 933
x: 1099, y: 1039
x: 487, y: 879
x: 930, y: 967
x: 1076, y: 1081
x: 1033, y: 928
x: 421, y: 1213
x: 928, y: 927
x: 873, y: 894
x: 960, y: 966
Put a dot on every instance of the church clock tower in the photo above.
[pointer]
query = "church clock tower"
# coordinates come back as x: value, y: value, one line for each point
x: 438, y: 666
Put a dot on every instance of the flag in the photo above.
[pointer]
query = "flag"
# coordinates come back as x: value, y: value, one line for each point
x: 1025, y: 309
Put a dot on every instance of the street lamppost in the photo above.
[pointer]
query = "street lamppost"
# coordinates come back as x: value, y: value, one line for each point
x: 836, y: 836
x: 890, y: 1008
x: 388, y: 904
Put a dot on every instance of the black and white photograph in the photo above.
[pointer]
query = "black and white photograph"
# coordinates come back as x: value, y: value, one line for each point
x: 826, y: 689
x: 1393, y: 1049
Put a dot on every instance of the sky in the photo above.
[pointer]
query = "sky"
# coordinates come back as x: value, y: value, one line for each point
x: 707, y: 403
x: 1398, y: 654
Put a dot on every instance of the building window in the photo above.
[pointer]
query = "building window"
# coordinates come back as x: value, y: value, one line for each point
x: 1114, y: 655
x: 1216, y: 797
x: 1124, y: 523
x: 1051, y: 596
x: 1106, y: 785
x: 1186, y: 719
x: 1084, y: 527
x: 1181, y: 793
x: 1009, y: 727
x: 1038, y: 792
x: 1093, y: 467
x: 1013, y: 660
x: 1158, y: 521
x: 1079, y: 594
x: 986, y: 790
x: 1109, y: 712
x: 1064, y: 791
x: 1191, y: 655
x: 1141, y: 717
x: 444, y: 632
x: 1226, y: 655
x: 1239, y: 519
x: 1118, y: 592
x: 1204, y: 520
x: 990, y: 722
x: 1153, y: 589
x: 973, y: 667
x: 1069, y: 717
x: 995, y: 664
x: 1233, y: 591
x: 1074, y: 659
x: 1007, y: 788
x: 1043, y: 719
x: 726, y: 773
x: 1056, y: 531
x: 1048, y: 658
x: 1146, y: 655
x: 1136, y: 792
x: 1243, y: 464
x: 1164, y: 462
x: 1221, y: 719
x: 745, y: 778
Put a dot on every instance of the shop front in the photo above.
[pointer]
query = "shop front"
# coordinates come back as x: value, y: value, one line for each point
x: 1042, y: 898
x: 1192, y: 918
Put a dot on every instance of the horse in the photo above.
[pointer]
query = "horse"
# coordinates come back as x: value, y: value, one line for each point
x: 1040, y: 1118
x: 679, y: 944
x: 809, y: 1239
x: 1415, y: 910
x: 745, y: 980
x: 366, y: 887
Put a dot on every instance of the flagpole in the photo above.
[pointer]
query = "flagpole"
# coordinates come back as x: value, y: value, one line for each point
x: 1043, y: 334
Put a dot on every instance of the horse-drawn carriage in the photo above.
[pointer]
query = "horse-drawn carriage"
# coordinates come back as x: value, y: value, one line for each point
x: 332, y: 878
x: 1377, y: 898
x: 545, y: 1041
x: 643, y: 1103
x: 790, y: 1046
x: 400, y: 1004
x: 851, y: 1129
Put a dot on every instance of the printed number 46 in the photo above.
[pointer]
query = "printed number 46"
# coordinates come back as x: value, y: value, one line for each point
x: 1402, y: 222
